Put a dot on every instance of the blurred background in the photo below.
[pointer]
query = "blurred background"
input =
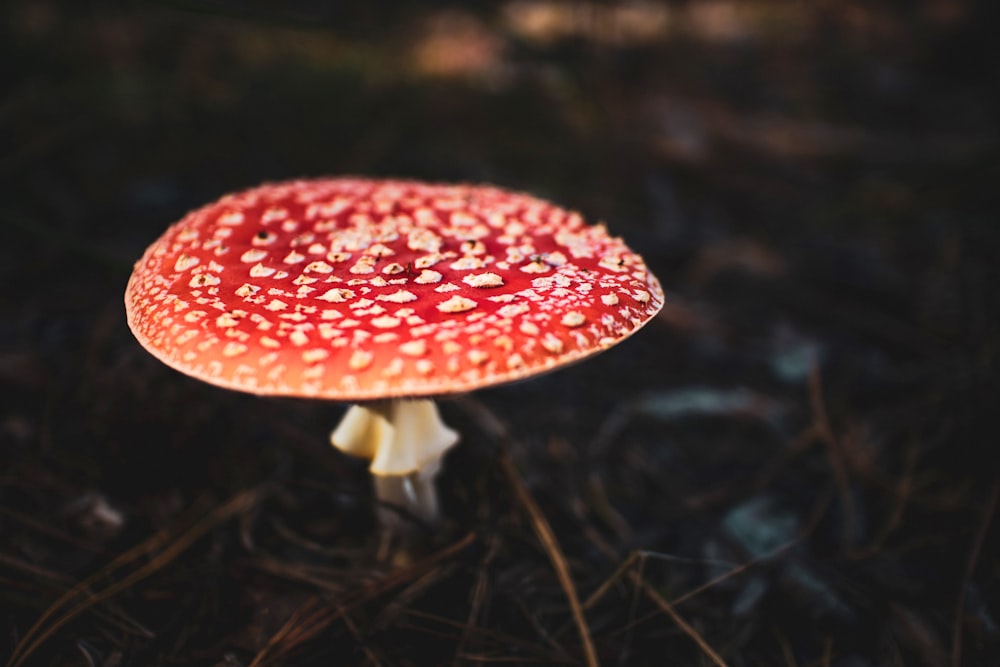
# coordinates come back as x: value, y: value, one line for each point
x: 792, y: 465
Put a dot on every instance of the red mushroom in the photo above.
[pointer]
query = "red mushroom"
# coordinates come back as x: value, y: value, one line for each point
x: 384, y: 292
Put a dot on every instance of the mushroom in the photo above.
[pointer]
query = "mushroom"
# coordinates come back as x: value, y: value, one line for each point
x: 385, y: 293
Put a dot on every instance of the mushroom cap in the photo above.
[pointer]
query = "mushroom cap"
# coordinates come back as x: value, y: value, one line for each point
x: 355, y: 289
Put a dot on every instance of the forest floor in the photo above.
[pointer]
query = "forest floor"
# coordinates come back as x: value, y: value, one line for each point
x: 792, y: 465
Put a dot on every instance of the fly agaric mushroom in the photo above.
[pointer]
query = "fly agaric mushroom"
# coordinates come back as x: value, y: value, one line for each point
x: 385, y: 292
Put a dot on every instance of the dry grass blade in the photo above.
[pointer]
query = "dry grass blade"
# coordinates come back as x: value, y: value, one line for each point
x: 977, y: 546
x: 479, y: 593
x: 109, y: 612
x: 548, y: 539
x: 835, y: 455
x: 619, y: 572
x: 304, y: 623
x: 172, y: 543
x: 685, y: 627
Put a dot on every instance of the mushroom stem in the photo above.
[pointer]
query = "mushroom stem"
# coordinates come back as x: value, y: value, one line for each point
x: 404, y: 440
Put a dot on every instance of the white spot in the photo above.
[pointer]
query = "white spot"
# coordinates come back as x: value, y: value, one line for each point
x: 641, y: 296
x: 185, y: 262
x: 573, y: 318
x: 548, y: 282
x: 552, y: 343
x: 359, y: 360
x: 394, y: 368
x: 610, y: 299
x: 393, y: 268
x: 447, y: 287
x: 463, y: 219
x: 231, y: 218
x: 247, y: 290
x: 226, y: 320
x: 536, y: 266
x: 505, y: 343
x: 478, y: 357
x: 267, y: 341
x: 514, y: 309
x: 186, y: 336
x: 427, y: 277
x: 261, y: 271
x: 425, y: 366
x: 386, y: 337
x: 456, y: 304
x: 613, y: 263
x: 313, y: 373
x: 374, y: 310
x: 467, y: 263
x: 422, y: 238
x: 194, y: 315
x: 204, y: 280
x: 273, y: 215
x: 298, y: 337
x: 253, y: 255
x: 187, y: 234
x: 386, y: 322
x: 529, y: 329
x: 427, y: 261
x: 318, y: 266
x: 380, y: 250
x: 515, y: 361
x: 554, y: 258
x: 475, y: 247
x: 294, y: 257
x: 337, y: 295
x: 314, y: 355
x: 276, y: 304
x: 399, y: 296
x: 414, y: 348
x: 483, y: 280
x: 328, y: 331
x: 365, y: 264
x: 233, y: 349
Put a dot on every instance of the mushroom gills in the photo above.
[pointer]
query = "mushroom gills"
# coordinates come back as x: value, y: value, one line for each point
x: 404, y: 440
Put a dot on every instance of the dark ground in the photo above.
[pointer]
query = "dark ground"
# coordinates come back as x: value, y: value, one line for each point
x: 791, y: 466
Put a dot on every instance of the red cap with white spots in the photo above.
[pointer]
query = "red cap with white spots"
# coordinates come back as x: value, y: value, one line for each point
x: 356, y: 289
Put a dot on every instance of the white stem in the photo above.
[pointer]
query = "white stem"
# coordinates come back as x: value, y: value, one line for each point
x: 414, y: 492
x: 404, y: 440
